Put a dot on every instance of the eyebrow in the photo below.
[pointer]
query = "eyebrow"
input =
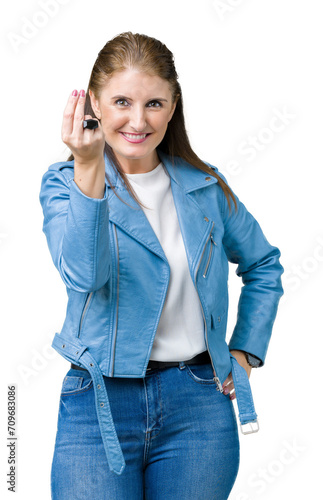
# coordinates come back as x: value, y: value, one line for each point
x: 120, y: 96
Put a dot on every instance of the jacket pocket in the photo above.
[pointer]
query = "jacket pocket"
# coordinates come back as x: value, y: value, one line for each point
x: 210, y: 255
x: 85, y: 310
x: 218, y: 321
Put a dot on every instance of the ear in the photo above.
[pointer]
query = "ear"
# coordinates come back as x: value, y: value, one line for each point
x: 173, y: 109
x: 95, y: 105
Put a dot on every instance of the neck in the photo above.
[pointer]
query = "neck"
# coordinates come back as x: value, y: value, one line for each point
x: 138, y: 165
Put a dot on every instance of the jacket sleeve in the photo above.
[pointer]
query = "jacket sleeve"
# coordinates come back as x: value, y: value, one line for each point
x: 260, y: 270
x: 77, y: 230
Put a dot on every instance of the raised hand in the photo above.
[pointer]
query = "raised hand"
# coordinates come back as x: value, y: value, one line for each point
x: 87, y: 146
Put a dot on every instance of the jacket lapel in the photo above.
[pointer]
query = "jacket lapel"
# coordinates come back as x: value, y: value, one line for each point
x: 132, y: 219
x: 194, y: 223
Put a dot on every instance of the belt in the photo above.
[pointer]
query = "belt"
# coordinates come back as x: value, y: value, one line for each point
x: 74, y: 350
x: 200, y: 359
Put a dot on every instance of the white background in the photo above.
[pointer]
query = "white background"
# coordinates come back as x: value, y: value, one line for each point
x: 238, y: 66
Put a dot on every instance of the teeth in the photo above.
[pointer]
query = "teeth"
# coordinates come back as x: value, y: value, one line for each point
x: 135, y: 136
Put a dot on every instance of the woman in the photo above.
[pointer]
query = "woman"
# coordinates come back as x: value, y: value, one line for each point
x: 141, y: 231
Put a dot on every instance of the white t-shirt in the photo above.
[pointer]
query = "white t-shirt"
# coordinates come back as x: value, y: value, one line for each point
x: 180, y: 333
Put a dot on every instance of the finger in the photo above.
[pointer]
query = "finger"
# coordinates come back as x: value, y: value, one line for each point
x: 228, y: 380
x: 68, y: 116
x: 228, y: 388
x: 233, y: 395
x: 228, y: 385
x: 79, y: 115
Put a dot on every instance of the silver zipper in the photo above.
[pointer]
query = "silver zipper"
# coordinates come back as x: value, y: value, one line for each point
x: 116, y: 312
x: 85, y: 308
x: 205, y: 246
x: 210, y: 254
x: 215, y: 378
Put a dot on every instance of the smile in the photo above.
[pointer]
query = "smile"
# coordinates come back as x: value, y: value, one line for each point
x: 134, y: 138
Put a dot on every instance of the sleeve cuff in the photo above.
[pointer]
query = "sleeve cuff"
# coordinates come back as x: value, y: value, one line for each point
x: 78, y: 190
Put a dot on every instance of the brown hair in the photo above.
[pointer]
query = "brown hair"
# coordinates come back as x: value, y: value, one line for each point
x: 145, y: 53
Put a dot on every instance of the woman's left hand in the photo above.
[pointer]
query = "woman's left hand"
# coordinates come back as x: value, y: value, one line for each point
x: 228, y: 386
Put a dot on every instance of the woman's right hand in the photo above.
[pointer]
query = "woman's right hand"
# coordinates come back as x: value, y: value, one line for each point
x: 86, y: 145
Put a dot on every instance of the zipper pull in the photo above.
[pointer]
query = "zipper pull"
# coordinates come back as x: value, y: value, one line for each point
x: 218, y: 383
x: 209, y: 257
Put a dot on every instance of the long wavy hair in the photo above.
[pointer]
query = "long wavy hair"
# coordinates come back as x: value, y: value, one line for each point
x: 129, y: 50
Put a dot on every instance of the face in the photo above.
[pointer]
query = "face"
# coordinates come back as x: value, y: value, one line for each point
x: 134, y: 109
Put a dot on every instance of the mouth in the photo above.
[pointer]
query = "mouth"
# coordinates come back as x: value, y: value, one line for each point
x: 135, y: 138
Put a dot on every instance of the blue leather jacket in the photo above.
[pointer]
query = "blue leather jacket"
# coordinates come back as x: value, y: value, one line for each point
x: 116, y: 275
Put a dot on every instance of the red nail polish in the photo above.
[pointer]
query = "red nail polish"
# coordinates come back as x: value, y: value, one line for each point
x: 82, y: 93
x: 74, y: 93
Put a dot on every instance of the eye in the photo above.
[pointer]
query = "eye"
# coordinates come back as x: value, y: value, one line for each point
x: 154, y: 104
x: 122, y: 102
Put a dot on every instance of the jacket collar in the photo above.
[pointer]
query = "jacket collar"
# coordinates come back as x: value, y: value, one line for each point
x: 184, y: 179
x: 185, y: 175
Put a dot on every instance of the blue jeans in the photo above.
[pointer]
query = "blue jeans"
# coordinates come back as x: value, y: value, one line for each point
x: 178, y: 434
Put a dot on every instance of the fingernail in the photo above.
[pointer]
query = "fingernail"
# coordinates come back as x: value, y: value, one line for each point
x: 74, y: 93
x: 82, y: 93
x: 226, y: 391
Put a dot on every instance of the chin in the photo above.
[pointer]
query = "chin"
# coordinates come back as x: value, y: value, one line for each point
x: 134, y: 153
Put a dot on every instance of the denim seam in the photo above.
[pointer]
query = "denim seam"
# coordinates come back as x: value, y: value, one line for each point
x: 199, y: 380
x: 79, y: 391
x: 147, y: 440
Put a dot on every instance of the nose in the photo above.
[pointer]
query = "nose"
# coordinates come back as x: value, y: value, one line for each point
x: 137, y: 119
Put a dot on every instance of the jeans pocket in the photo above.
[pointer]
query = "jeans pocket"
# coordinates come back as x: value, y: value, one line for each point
x: 76, y: 384
x: 203, y: 374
